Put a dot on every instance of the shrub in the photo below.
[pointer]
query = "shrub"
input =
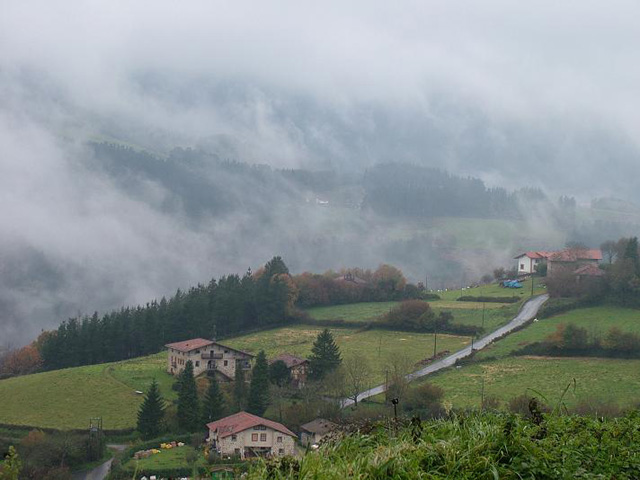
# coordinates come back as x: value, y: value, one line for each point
x: 520, y: 405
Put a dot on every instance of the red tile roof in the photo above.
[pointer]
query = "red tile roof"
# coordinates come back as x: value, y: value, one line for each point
x: 590, y: 270
x: 188, y: 345
x: 195, y: 343
x: 242, y: 421
x: 289, y: 360
x: 540, y: 254
x: 575, y: 255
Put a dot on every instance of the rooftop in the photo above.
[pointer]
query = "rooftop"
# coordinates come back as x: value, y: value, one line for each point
x: 241, y: 421
x: 188, y: 345
x: 319, y: 426
x: 289, y: 360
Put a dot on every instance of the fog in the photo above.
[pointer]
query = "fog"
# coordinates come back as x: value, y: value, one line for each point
x: 537, y: 95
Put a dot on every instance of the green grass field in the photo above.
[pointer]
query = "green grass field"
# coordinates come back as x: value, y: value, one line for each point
x: 355, y: 312
x: 377, y: 346
x: 597, y: 321
x: 596, y: 380
x: 172, y: 458
x: 67, y: 398
x: 468, y: 313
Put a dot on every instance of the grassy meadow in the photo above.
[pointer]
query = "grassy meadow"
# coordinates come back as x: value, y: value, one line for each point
x: 597, y: 321
x: 377, y: 346
x: 66, y: 399
x: 166, y: 459
x: 596, y: 380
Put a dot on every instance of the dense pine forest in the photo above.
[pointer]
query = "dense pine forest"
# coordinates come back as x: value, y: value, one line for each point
x: 223, y: 307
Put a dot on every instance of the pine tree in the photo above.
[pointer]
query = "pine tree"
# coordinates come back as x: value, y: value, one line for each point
x: 188, y: 408
x: 259, y: 388
x: 213, y: 405
x: 239, y: 389
x: 325, y: 355
x: 151, y: 413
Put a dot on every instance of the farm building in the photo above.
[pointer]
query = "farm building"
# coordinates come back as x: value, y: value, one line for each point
x: 313, y: 432
x: 246, y: 435
x: 207, y: 356
x: 527, y: 262
x: 298, y: 368
x: 572, y: 259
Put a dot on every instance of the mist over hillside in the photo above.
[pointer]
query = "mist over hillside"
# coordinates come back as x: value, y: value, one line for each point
x: 151, y: 146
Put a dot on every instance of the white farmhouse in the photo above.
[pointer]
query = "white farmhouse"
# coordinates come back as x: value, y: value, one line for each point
x: 207, y: 356
x: 246, y: 435
x: 527, y: 262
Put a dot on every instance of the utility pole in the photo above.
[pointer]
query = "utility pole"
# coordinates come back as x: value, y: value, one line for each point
x: 472, y: 343
x: 532, y: 284
x: 435, y: 337
x: 483, y: 307
x: 426, y: 283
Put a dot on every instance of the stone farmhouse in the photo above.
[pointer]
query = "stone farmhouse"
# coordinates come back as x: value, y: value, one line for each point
x: 207, y: 356
x: 246, y: 435
x: 313, y: 432
x: 298, y: 368
x: 572, y: 260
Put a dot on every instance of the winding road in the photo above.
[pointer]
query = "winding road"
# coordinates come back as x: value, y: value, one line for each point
x: 101, y: 471
x: 528, y: 311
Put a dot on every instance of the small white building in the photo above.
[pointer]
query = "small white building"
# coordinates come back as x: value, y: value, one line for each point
x: 527, y: 262
x: 207, y: 356
x: 246, y: 435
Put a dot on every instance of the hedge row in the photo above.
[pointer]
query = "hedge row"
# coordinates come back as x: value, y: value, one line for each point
x: 470, y: 298
x: 13, y: 427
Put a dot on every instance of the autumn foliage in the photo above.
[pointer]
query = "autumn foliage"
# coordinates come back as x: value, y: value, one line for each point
x: 21, y: 362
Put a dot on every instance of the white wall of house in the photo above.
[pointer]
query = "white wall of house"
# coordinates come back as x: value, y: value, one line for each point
x: 260, y: 437
x: 525, y: 264
x: 176, y: 360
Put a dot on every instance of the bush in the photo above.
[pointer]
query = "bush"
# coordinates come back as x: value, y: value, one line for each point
x: 417, y: 316
x: 425, y: 399
x: 520, y: 405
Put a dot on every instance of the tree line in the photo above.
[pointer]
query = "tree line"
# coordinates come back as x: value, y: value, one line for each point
x: 223, y: 307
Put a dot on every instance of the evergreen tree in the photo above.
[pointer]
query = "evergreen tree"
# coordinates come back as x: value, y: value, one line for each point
x: 259, y: 388
x: 188, y: 408
x: 151, y: 413
x: 213, y: 405
x: 239, y: 389
x: 325, y: 355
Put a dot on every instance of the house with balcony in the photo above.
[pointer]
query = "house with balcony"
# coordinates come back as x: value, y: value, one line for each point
x: 245, y: 435
x: 207, y: 356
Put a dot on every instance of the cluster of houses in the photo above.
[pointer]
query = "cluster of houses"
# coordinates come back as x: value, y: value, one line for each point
x: 244, y: 434
x: 581, y: 262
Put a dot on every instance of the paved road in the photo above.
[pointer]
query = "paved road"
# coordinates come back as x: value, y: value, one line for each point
x: 528, y: 311
x: 101, y: 471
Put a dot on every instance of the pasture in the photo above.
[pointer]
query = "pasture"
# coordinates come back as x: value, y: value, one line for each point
x: 377, y: 346
x: 597, y: 380
x: 597, y: 321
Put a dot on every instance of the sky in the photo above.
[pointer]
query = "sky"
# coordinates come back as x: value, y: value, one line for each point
x: 539, y: 94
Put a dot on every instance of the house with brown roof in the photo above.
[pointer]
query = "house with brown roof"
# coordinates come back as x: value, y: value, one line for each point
x: 207, y: 356
x: 298, y: 368
x: 246, y: 435
x: 313, y: 432
x: 572, y: 259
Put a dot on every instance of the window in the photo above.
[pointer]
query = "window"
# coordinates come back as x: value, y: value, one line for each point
x: 263, y: 437
x: 197, y: 363
x: 281, y: 451
x: 226, y: 351
x: 522, y: 266
x: 254, y: 437
x: 279, y: 439
x: 197, y: 351
x: 234, y: 438
x: 226, y: 362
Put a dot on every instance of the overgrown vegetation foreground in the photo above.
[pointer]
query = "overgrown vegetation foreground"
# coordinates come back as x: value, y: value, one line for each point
x: 474, y: 446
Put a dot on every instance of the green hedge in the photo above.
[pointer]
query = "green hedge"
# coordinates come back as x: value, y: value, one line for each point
x: 469, y: 298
